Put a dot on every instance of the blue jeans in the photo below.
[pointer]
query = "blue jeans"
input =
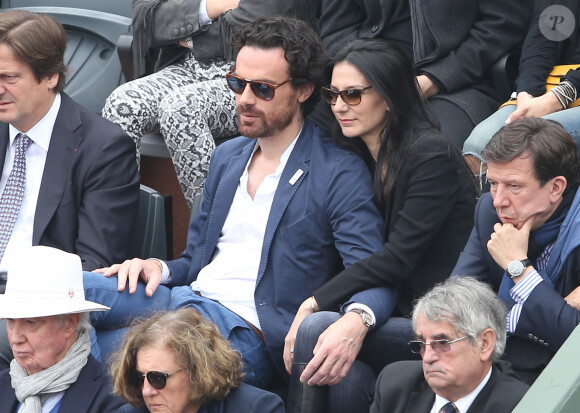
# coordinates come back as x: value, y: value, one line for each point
x: 384, y: 345
x: 482, y: 133
x: 125, y: 307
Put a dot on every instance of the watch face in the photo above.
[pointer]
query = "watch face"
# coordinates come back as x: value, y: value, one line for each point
x: 515, y: 269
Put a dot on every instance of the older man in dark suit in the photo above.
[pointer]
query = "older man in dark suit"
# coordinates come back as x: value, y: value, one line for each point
x: 48, y: 330
x: 69, y: 178
x: 460, y: 329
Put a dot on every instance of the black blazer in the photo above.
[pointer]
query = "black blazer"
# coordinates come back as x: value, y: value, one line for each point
x: 426, y: 227
x: 91, y: 393
x: 401, y: 388
x: 463, y: 39
x: 89, y: 191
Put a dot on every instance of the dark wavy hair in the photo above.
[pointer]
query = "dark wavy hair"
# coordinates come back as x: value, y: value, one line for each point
x: 409, y: 118
x: 38, y: 40
x: 302, y: 50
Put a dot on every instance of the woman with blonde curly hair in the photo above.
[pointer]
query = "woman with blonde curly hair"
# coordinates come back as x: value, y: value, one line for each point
x: 179, y: 362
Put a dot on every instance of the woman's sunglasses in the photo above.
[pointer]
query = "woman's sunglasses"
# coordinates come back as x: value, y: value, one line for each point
x: 262, y: 90
x: 351, y: 97
x: 156, y: 379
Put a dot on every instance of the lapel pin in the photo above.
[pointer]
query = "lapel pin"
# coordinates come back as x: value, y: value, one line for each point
x: 296, y: 176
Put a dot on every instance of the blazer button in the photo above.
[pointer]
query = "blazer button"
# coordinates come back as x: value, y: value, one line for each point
x: 189, y: 27
x: 176, y: 32
x: 182, y: 31
x: 375, y: 28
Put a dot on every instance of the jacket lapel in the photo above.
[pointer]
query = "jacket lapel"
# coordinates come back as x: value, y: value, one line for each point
x: 224, y: 196
x: 421, y: 401
x: 4, y: 140
x: 63, y: 147
x: 290, y: 181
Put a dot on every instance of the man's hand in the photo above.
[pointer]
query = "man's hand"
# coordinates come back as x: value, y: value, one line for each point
x: 574, y: 298
x: 304, y: 311
x: 529, y: 106
x: 507, y: 243
x: 335, y: 351
x: 148, y: 270
x: 427, y: 86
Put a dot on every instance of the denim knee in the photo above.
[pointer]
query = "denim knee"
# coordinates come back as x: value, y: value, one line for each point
x: 309, y: 331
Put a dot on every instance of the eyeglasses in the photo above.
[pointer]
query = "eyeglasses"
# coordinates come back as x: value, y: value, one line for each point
x: 438, y: 346
x: 262, y: 90
x: 156, y: 379
x: 351, y: 97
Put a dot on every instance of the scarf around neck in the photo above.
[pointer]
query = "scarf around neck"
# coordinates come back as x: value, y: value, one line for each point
x: 54, y: 379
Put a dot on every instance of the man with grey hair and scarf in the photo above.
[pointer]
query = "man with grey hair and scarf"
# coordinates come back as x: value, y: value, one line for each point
x: 48, y: 330
x: 460, y: 335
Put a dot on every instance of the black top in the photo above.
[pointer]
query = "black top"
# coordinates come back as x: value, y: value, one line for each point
x: 540, y: 55
x: 427, y: 223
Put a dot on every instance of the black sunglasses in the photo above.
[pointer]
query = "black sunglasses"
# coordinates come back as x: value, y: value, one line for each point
x: 156, y: 379
x: 351, y: 97
x: 438, y: 346
x: 262, y: 90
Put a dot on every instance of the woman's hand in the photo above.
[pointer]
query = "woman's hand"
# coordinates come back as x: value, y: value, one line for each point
x: 306, y: 308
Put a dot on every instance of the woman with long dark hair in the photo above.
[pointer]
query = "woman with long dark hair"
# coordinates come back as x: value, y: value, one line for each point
x: 427, y: 196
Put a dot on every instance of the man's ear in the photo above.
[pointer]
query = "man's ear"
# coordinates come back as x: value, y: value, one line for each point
x: 488, y: 339
x: 52, y: 80
x: 304, y: 92
x: 70, y: 323
x: 558, y: 186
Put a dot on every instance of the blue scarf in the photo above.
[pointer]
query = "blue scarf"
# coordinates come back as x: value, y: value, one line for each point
x: 563, y: 229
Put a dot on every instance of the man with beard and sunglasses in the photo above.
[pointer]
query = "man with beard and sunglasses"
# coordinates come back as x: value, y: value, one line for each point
x: 284, y: 209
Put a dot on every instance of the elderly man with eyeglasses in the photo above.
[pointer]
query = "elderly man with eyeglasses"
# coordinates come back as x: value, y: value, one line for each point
x: 460, y: 330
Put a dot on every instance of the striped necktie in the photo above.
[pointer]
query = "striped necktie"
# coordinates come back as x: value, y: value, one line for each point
x: 13, y: 192
x: 449, y: 408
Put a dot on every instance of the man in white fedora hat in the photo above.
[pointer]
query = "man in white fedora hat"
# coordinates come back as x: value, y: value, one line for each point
x: 48, y: 330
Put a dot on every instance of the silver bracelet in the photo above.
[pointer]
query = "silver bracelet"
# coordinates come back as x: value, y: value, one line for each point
x: 566, y: 93
x: 189, y: 42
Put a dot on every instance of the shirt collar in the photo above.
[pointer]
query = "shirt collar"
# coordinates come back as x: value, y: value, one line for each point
x: 463, y: 404
x: 42, y: 131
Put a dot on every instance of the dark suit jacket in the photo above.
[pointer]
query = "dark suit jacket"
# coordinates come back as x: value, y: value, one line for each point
x: 89, y: 191
x: 546, y: 320
x: 320, y: 221
x: 245, y: 399
x: 463, y: 39
x: 91, y: 393
x: 175, y: 20
x: 401, y: 388
x: 426, y: 226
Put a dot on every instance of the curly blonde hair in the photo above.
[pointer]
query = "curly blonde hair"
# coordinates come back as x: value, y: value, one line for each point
x: 214, y: 368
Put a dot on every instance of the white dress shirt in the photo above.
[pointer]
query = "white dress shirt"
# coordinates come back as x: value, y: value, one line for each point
x: 231, y: 275
x: 463, y: 404
x: 40, y: 135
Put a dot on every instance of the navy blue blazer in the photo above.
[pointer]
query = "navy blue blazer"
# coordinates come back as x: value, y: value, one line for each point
x: 246, y: 399
x: 546, y: 320
x: 91, y: 393
x: 322, y: 219
x: 401, y: 388
x: 89, y: 191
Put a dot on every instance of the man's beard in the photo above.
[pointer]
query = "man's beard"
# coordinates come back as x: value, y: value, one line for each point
x: 262, y: 127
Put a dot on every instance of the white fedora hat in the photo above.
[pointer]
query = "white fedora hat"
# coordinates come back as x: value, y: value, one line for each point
x: 44, y: 281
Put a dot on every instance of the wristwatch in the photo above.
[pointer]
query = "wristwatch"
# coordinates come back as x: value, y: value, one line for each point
x: 189, y: 42
x: 516, y: 268
x: 366, y: 317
